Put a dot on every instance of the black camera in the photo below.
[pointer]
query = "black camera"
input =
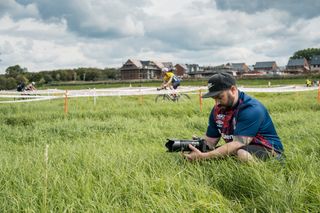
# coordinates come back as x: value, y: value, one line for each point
x: 177, y: 145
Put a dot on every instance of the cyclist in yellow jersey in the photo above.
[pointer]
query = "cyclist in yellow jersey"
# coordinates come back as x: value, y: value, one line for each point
x: 308, y: 83
x: 169, y: 79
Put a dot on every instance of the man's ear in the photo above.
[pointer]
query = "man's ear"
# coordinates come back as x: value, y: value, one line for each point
x: 233, y: 89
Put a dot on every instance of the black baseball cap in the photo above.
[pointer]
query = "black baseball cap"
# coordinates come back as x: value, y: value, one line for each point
x: 218, y: 83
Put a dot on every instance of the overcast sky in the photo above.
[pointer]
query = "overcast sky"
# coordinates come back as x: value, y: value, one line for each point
x: 53, y: 34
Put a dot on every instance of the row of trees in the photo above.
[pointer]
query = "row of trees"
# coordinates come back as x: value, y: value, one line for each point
x: 16, y: 74
x: 306, y: 53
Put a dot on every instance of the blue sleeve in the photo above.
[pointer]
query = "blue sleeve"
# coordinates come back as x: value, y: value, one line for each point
x: 212, y: 130
x: 249, y: 120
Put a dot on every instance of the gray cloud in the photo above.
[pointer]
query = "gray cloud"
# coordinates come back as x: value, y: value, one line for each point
x: 95, y: 18
x: 46, y: 34
x: 297, y: 8
x: 16, y: 10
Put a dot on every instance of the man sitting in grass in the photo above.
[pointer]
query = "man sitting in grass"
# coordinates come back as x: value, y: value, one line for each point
x: 243, y: 122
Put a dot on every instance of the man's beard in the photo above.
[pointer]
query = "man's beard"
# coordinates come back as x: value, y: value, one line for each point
x: 229, y: 103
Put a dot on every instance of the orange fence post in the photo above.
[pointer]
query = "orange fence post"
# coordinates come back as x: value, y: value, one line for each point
x: 141, y: 97
x: 66, y: 102
x: 200, y: 100
x: 94, y: 96
x: 319, y: 92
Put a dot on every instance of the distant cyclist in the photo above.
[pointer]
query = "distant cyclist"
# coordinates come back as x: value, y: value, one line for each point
x: 169, y: 79
x: 308, y: 83
x: 31, y: 87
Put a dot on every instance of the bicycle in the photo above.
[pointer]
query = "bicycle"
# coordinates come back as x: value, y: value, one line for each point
x: 171, y: 97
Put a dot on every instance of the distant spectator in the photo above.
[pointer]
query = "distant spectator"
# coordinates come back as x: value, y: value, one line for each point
x: 21, y: 87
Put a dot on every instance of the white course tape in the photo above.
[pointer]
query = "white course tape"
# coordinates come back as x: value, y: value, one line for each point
x: 41, y: 95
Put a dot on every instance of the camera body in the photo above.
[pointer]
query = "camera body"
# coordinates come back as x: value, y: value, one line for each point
x: 177, y: 145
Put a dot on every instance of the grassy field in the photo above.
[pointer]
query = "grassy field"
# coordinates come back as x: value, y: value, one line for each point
x: 111, y: 158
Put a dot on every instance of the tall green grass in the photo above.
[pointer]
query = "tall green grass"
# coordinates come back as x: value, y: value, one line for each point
x: 110, y: 157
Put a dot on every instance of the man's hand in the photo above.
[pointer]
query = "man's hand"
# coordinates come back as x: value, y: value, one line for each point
x: 195, y: 154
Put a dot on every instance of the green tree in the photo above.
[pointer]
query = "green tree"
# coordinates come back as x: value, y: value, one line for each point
x: 306, y: 53
x: 14, y: 71
x: 7, y: 83
x: 22, y: 78
x: 110, y: 73
x: 56, y: 76
x: 47, y: 78
x: 35, y: 76
x: 3, y: 81
x: 93, y: 74
x: 66, y: 75
x: 81, y: 73
x: 11, y: 83
x: 41, y: 81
